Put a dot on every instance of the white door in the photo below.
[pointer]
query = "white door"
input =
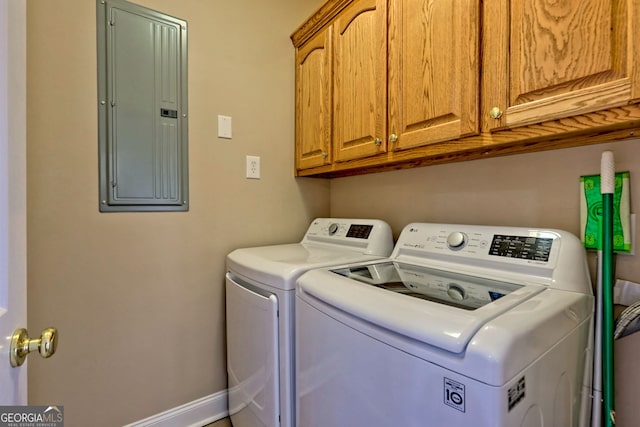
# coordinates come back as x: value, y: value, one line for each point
x: 13, y: 287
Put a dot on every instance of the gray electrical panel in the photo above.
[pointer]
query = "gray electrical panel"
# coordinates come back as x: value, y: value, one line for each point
x: 142, y: 109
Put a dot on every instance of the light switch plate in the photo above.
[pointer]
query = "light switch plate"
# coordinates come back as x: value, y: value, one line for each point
x: 224, y: 127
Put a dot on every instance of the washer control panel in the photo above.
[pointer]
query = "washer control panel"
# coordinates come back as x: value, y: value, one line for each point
x: 550, y: 257
x: 512, y: 245
x: 522, y: 247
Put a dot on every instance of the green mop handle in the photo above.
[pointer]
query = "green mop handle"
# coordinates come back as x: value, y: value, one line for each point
x: 607, y: 186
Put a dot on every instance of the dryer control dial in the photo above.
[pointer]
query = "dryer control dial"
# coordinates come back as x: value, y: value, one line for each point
x: 333, y: 228
x: 456, y: 240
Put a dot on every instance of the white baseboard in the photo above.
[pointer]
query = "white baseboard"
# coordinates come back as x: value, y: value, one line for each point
x: 198, y: 413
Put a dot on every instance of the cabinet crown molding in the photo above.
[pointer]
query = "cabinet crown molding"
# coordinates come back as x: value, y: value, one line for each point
x: 321, y: 17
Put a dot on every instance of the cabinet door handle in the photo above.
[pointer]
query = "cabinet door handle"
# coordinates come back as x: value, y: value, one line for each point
x: 495, y: 113
x: 378, y: 142
x: 325, y: 155
x: 393, y: 137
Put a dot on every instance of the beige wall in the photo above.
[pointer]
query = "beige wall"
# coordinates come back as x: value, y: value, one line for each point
x: 531, y: 190
x: 138, y: 298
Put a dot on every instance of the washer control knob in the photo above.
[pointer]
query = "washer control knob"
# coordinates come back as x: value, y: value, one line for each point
x: 456, y: 292
x: 333, y: 228
x: 456, y: 240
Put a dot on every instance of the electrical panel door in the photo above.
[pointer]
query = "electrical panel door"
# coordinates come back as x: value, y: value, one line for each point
x: 143, y: 109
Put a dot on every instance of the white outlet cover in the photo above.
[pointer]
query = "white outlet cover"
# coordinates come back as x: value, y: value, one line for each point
x: 253, y: 167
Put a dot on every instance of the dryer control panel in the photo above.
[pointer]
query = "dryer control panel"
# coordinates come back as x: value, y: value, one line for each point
x: 369, y: 235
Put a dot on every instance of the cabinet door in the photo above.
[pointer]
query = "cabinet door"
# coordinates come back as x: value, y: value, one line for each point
x: 549, y: 60
x: 360, y: 80
x: 433, y: 71
x: 313, y: 102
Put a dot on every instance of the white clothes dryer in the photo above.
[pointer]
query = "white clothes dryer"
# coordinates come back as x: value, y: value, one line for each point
x: 260, y: 296
x: 463, y: 326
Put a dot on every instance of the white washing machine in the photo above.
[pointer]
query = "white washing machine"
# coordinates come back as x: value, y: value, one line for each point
x: 462, y: 326
x: 260, y: 296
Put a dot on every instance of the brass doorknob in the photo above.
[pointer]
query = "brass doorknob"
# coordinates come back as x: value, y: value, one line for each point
x: 21, y: 345
x: 393, y: 137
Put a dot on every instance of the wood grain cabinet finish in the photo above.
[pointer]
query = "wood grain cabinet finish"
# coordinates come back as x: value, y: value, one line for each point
x: 314, y: 101
x: 550, y: 60
x: 434, y: 71
x: 360, y: 79
x: 421, y: 82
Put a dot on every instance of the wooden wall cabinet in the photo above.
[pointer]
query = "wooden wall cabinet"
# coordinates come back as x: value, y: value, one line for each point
x: 554, y: 75
x: 360, y: 79
x: 314, y: 101
x: 433, y: 71
x: 551, y: 60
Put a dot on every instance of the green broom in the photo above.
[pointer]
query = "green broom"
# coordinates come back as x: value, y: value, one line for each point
x: 607, y: 180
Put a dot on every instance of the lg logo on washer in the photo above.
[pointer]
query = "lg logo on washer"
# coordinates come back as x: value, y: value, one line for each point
x: 454, y: 394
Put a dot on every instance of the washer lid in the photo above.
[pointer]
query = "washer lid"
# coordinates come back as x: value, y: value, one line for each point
x: 440, y: 308
x: 279, y: 266
x: 444, y: 287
